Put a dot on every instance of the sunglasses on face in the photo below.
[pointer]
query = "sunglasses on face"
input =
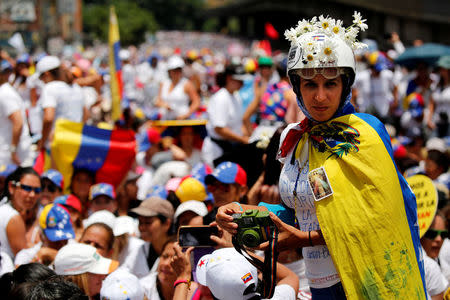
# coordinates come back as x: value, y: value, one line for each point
x: 328, y: 73
x: 431, y: 234
x: 28, y: 188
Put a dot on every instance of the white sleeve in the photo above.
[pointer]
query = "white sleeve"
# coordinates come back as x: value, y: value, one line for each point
x: 6, y: 263
x: 48, y: 97
x: 218, y: 111
x: 444, y: 259
x: 434, y: 279
x: 284, y: 292
x: 9, y: 105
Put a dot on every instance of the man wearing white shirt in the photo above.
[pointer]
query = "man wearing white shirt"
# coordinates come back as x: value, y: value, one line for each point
x: 15, y: 139
x: 58, y: 99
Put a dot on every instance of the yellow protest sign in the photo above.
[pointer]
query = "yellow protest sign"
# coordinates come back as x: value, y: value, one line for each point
x: 427, y: 200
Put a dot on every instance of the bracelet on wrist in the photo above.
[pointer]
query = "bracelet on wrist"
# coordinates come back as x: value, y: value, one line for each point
x: 310, y: 240
x: 240, y: 206
x: 13, y: 149
x: 179, y: 281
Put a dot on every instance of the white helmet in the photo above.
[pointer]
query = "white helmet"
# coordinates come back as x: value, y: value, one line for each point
x: 309, y: 51
x: 322, y: 43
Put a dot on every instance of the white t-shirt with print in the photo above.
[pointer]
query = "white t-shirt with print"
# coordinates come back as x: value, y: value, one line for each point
x: 320, y: 270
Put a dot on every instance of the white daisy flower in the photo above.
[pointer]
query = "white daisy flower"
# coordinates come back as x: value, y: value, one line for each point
x: 359, y: 46
x: 325, y: 23
x: 328, y: 51
x: 304, y: 26
x: 310, y: 45
x: 309, y: 58
x: 291, y: 34
x: 357, y: 19
x: 350, y: 35
x: 338, y: 29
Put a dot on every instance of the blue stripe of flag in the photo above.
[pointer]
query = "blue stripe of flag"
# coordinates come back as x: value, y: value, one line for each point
x: 93, y: 149
x: 117, y: 62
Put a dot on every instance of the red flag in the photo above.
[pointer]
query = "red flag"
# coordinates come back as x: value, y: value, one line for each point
x: 270, y: 31
x: 265, y: 45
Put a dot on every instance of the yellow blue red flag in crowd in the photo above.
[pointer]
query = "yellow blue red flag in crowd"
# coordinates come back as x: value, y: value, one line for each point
x: 108, y: 154
x: 115, y: 66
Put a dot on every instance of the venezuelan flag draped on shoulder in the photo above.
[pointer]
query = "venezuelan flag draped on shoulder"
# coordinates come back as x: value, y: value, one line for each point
x: 369, y: 223
x: 107, y: 153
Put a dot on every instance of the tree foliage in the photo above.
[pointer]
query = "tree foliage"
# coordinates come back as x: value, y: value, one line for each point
x: 134, y: 21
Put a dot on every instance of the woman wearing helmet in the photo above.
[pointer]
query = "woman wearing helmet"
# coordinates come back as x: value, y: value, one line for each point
x: 358, y: 231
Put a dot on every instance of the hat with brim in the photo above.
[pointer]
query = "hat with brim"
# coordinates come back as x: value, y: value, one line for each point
x: 175, y: 62
x: 76, y: 258
x: 195, y: 206
x: 55, y: 223
x: 227, y: 274
x: 154, y: 206
x: 47, y: 63
x: 228, y: 173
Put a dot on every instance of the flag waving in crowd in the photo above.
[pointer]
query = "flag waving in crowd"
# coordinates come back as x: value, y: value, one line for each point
x: 107, y: 153
x: 115, y: 65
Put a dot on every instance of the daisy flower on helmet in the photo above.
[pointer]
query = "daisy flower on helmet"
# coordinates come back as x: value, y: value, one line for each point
x: 357, y: 19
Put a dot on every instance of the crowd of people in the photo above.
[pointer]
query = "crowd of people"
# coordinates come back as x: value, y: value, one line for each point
x: 245, y: 127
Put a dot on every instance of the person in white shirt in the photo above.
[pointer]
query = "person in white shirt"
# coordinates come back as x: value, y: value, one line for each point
x: 15, y: 139
x: 177, y: 98
x: 58, y: 99
x: 225, y: 114
x: 377, y: 92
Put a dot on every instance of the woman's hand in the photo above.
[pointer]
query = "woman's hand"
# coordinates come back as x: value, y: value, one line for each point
x: 224, y: 239
x: 224, y: 218
x: 288, y: 237
x: 181, y: 263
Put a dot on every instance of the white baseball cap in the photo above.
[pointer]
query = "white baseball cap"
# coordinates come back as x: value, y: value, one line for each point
x: 124, y: 54
x: 175, y: 62
x: 76, y: 258
x: 195, y: 206
x: 47, y: 63
x: 126, y: 224
x: 436, y: 144
x: 227, y: 274
x: 101, y: 216
x: 121, y: 285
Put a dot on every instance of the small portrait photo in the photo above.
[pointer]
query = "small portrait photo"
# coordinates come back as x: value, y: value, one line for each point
x: 319, y: 184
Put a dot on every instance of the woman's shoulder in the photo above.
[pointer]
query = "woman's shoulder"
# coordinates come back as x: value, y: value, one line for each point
x: 7, y: 209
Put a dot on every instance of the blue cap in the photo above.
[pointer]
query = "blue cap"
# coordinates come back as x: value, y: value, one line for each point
x: 228, y: 172
x: 23, y: 59
x: 5, y: 66
x: 102, y: 189
x: 157, y: 191
x: 55, y: 222
x: 6, y: 170
x: 55, y: 177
